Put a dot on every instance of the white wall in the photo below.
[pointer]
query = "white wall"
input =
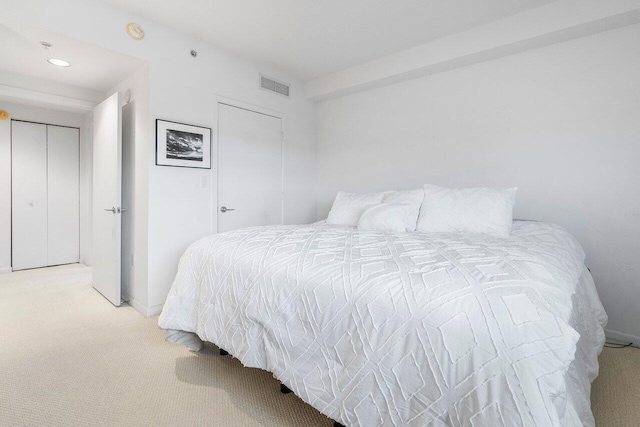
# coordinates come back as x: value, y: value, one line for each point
x: 180, y: 211
x: 184, y: 89
x: 41, y: 115
x: 561, y: 123
x: 86, y: 188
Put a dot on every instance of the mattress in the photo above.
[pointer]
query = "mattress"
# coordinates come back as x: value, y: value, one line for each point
x: 407, y: 329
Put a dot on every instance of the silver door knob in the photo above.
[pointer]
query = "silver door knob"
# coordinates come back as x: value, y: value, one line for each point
x: 224, y: 209
x: 111, y: 210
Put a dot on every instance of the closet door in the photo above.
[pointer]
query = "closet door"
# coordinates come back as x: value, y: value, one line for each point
x: 249, y: 168
x: 63, y: 190
x: 28, y: 195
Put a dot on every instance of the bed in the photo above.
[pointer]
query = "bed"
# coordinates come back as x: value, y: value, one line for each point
x: 405, y: 329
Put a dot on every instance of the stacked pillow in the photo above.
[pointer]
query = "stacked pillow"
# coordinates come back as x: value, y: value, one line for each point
x: 430, y: 210
x: 412, y: 199
x: 390, y: 210
x: 390, y: 217
x: 348, y: 207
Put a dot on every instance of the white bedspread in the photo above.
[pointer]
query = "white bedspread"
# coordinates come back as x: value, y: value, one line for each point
x: 403, y: 329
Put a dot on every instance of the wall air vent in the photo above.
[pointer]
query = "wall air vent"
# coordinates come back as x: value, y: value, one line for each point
x: 274, y: 86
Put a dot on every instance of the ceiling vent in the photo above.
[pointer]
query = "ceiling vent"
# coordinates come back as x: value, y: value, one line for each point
x: 274, y: 86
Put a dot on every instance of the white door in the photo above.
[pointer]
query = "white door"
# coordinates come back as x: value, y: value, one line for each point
x: 107, y: 178
x: 63, y: 189
x: 249, y: 168
x: 28, y: 195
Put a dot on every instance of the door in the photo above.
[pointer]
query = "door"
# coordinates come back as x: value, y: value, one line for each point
x: 45, y: 195
x: 28, y: 195
x: 107, y: 179
x: 63, y: 189
x: 249, y: 168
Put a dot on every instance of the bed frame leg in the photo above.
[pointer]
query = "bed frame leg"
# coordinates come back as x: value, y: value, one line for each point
x: 223, y: 352
x: 284, y: 389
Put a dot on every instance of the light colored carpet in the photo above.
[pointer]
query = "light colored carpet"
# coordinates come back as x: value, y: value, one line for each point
x: 68, y: 357
x: 615, y: 394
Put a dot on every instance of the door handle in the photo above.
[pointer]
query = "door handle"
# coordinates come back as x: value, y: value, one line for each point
x: 120, y: 210
x: 224, y: 209
x: 111, y: 210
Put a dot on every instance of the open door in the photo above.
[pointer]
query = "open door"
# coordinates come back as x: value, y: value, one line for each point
x: 107, y: 195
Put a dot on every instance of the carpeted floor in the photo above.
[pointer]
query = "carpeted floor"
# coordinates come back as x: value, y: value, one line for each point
x: 68, y: 357
x: 615, y: 394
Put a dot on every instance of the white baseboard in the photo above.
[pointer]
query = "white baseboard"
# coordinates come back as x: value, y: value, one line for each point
x: 155, y: 310
x: 621, y: 336
x: 144, y: 310
x: 5, y: 270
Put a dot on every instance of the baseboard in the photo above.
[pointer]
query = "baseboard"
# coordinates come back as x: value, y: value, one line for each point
x: 144, y: 310
x: 621, y: 336
x: 5, y: 270
x: 155, y: 310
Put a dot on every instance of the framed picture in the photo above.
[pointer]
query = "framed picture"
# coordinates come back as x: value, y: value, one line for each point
x: 181, y: 145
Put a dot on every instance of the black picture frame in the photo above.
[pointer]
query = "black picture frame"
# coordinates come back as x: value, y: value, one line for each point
x: 182, y: 145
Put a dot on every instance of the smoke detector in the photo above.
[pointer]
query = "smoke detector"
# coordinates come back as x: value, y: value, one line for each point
x: 135, y: 31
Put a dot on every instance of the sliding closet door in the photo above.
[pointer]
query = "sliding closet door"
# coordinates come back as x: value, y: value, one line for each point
x: 28, y: 195
x: 63, y: 195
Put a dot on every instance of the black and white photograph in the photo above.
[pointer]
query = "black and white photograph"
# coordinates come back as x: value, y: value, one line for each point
x: 182, y: 145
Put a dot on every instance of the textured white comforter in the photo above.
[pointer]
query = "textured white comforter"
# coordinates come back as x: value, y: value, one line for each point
x: 403, y: 329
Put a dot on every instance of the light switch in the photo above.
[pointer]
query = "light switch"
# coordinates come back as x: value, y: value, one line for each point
x: 203, y: 182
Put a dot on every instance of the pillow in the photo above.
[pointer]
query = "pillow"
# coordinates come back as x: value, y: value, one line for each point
x: 472, y: 210
x: 413, y: 198
x: 390, y: 217
x: 347, y: 207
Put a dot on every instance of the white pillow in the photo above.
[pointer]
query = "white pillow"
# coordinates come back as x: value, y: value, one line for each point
x: 413, y: 198
x: 471, y: 210
x: 347, y: 207
x: 390, y: 217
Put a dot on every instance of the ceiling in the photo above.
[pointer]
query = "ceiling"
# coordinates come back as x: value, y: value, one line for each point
x: 91, y: 67
x: 313, y: 38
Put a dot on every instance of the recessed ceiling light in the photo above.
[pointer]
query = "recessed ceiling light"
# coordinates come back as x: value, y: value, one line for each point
x: 58, y: 62
x: 135, y: 31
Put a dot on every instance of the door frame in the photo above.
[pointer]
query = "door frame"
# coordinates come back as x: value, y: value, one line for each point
x: 219, y: 99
